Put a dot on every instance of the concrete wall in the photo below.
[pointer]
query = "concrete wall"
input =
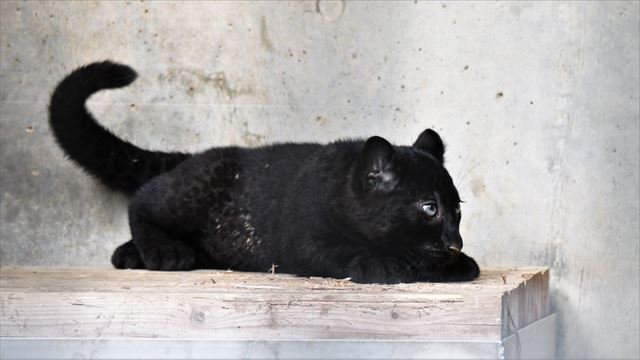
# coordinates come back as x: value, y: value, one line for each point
x: 538, y: 102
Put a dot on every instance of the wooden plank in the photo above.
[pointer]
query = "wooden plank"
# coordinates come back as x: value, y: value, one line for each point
x: 55, y: 349
x: 525, y: 304
x: 108, y: 303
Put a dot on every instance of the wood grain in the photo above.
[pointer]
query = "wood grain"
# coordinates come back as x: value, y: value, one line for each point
x: 107, y: 303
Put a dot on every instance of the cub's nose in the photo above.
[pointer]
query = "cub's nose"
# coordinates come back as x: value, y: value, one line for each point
x: 453, y: 241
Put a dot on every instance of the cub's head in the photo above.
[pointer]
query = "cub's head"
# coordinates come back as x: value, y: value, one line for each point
x: 403, y: 199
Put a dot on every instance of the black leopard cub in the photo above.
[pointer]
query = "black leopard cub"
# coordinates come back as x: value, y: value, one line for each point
x: 363, y: 209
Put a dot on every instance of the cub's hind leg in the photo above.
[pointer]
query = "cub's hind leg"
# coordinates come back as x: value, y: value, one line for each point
x: 171, y: 214
x: 167, y: 217
x: 127, y: 256
x: 159, y: 246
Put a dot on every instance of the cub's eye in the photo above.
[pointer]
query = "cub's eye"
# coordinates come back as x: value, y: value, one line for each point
x: 430, y: 208
x: 458, y: 209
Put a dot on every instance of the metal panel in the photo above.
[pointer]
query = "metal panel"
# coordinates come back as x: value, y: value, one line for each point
x: 242, y: 349
x: 534, y: 341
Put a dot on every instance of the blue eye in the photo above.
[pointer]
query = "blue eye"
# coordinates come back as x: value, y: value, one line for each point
x: 430, y: 208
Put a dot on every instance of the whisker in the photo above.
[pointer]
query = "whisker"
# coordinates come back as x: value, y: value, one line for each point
x: 467, y: 173
x: 464, y: 162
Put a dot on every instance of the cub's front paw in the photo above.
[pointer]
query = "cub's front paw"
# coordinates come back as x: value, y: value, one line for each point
x: 463, y: 269
x: 377, y: 271
x: 168, y: 257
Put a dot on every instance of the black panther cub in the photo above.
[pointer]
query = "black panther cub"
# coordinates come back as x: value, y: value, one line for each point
x: 367, y: 210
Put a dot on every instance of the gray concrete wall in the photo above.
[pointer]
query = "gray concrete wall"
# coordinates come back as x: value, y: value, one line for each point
x: 538, y: 102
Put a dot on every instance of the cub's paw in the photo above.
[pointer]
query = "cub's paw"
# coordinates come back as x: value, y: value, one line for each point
x: 463, y: 269
x: 377, y: 271
x: 127, y: 256
x: 173, y: 256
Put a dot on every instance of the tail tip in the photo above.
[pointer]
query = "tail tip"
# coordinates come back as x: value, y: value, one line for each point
x: 114, y: 75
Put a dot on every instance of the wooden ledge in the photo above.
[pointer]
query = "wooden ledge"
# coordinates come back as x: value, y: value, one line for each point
x: 93, y: 303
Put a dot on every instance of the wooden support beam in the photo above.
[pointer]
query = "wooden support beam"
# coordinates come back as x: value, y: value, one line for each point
x: 93, y: 303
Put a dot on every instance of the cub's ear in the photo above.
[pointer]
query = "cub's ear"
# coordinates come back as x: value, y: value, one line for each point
x: 374, y: 170
x: 430, y: 142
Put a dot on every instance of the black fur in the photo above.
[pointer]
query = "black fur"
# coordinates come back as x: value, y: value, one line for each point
x: 118, y: 164
x: 367, y: 210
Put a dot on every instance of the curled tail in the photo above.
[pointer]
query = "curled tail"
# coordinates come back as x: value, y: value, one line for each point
x: 118, y: 164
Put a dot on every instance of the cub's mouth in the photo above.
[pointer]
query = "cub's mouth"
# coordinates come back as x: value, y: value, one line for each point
x: 454, y: 250
x: 438, y: 253
x: 454, y: 253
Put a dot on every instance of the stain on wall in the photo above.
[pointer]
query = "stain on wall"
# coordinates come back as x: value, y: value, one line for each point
x: 537, y: 102
x: 264, y: 35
